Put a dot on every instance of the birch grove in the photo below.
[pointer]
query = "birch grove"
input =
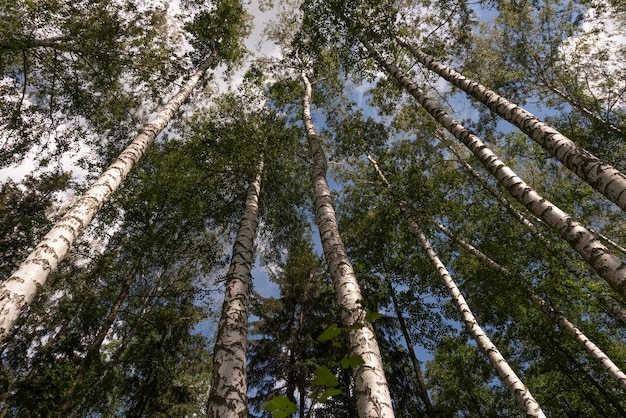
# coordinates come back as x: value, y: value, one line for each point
x: 608, y: 266
x: 602, y: 176
x: 423, y: 246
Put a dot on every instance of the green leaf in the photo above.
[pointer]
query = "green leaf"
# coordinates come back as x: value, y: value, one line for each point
x: 280, y: 407
x: 353, y: 361
x: 373, y: 316
x: 357, y: 325
x: 324, y: 377
x: 328, y: 393
x: 331, y: 332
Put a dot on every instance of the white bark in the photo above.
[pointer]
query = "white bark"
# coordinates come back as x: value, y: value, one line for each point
x: 229, y: 387
x: 614, y: 308
x: 601, y: 176
x: 19, y: 289
x: 556, y: 316
x: 521, y: 393
x: 372, y: 393
x: 608, y: 266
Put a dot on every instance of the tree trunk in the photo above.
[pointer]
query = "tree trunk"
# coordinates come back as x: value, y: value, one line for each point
x: 229, y: 387
x: 554, y: 315
x: 423, y: 390
x: 93, y: 350
x: 608, y: 266
x: 371, y: 390
x: 521, y: 393
x: 614, y: 308
x: 603, y: 177
x: 19, y: 290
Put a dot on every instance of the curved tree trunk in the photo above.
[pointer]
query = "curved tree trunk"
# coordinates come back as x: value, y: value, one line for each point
x: 554, y: 315
x: 228, y: 394
x: 19, y: 290
x: 371, y: 390
x: 603, y: 177
x: 521, y: 393
x: 608, y: 266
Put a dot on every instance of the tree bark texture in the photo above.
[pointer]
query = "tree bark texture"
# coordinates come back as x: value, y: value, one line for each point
x: 603, y: 177
x: 521, y: 393
x: 228, y: 394
x: 371, y: 390
x: 19, y: 290
x: 608, y: 266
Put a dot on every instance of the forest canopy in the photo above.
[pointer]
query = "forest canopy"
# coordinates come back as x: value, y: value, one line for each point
x: 312, y: 208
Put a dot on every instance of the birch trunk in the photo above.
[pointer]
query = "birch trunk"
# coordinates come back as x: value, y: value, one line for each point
x: 18, y: 291
x: 608, y: 266
x: 603, y: 177
x: 228, y: 394
x: 370, y: 385
x: 521, y: 393
x: 613, y: 307
x: 557, y: 317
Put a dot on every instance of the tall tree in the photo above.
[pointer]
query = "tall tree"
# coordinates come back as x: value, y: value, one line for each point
x: 371, y: 390
x: 229, y: 387
x: 17, y: 291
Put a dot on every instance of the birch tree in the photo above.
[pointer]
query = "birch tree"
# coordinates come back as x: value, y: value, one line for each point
x: 228, y: 397
x: 18, y: 290
x: 522, y: 395
x: 601, y: 176
x: 373, y: 399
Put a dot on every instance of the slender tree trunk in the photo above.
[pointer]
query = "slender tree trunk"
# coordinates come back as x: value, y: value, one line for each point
x: 557, y: 317
x: 578, y: 106
x: 93, y: 350
x: 608, y: 266
x: 228, y: 394
x: 423, y: 393
x: 613, y: 307
x: 19, y: 290
x: 370, y: 384
x: 521, y: 393
x: 603, y: 177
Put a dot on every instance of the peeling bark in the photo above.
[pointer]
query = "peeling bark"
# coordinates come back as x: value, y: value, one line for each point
x: 603, y: 177
x: 19, y: 290
x: 228, y: 395
x: 608, y: 266
x: 370, y: 385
